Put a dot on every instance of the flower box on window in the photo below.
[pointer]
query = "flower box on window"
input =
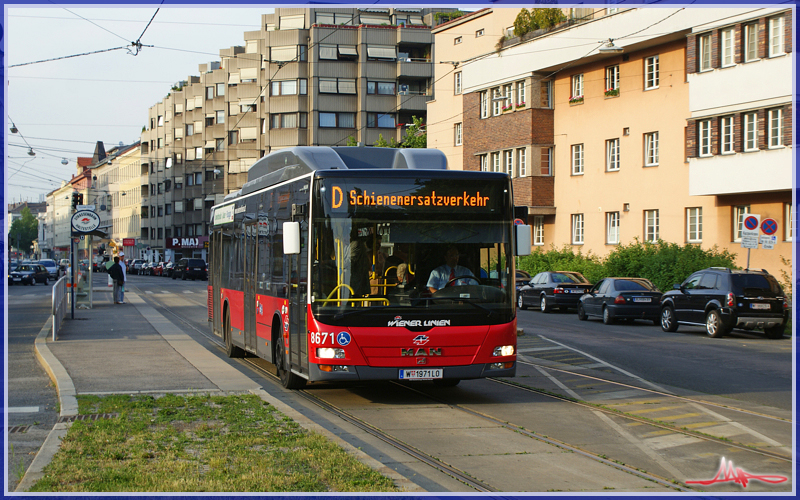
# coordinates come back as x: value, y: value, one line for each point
x: 508, y: 108
x: 576, y: 100
x: 612, y: 92
x: 520, y: 105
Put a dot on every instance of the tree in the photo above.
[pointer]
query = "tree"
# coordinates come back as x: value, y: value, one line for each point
x: 535, y: 19
x: 23, y: 231
x: 416, y: 135
x: 351, y: 141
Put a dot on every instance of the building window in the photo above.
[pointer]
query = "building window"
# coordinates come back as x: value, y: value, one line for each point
x: 168, y: 209
x: 458, y: 134
x: 497, y: 101
x: 485, y: 104
x: 522, y: 162
x: 612, y: 155
x: 726, y: 126
x: 160, y: 142
x: 220, y: 144
x: 457, y: 40
x: 750, y: 42
x: 577, y: 159
x: 220, y: 116
x: 694, y: 225
x: 651, y: 73
x: 337, y: 86
x: 612, y: 228
x: 457, y: 82
x: 247, y: 107
x: 651, y: 226
x: 209, y: 92
x: 538, y: 230
x: 651, y: 149
x: 704, y: 131
x: 547, y: 161
x: 776, y: 36
x: 788, y: 221
x: 508, y: 161
x: 775, y: 129
x: 484, y: 163
x: 577, y: 229
x: 495, y: 162
x: 479, y: 33
x: 233, y: 137
x: 189, y: 129
x: 577, y: 87
x: 521, y: 93
x: 705, y: 52
x: 739, y: 213
x: 220, y: 89
x: 160, y: 120
x: 198, y: 153
x: 547, y: 94
x: 380, y: 120
x: 337, y: 120
x: 750, y: 132
x: 726, y: 50
x: 612, y: 78
x: 507, y: 95
x: 381, y: 88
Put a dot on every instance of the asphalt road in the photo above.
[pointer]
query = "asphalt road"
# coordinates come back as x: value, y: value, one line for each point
x: 32, y: 400
x: 743, y: 366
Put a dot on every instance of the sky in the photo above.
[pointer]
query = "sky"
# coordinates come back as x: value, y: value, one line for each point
x: 63, y: 107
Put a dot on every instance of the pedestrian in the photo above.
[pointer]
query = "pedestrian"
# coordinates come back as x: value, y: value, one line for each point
x: 124, y: 278
x: 115, y: 271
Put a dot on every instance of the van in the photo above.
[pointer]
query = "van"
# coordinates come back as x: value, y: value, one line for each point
x: 190, y: 268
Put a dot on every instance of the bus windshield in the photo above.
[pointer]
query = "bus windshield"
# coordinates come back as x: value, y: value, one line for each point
x: 438, y: 248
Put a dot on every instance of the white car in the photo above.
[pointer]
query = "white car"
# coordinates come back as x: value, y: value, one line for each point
x: 52, y: 268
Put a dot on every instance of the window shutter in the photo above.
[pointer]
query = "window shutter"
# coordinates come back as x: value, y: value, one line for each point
x: 233, y: 79
x: 248, y: 133
x: 248, y: 73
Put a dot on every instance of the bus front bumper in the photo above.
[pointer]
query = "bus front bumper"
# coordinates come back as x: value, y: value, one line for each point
x: 351, y: 372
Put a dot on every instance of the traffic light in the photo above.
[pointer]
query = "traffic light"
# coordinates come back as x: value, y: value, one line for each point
x: 80, y: 198
x: 74, y: 201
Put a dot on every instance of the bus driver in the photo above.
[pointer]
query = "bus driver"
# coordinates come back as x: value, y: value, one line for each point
x: 450, y: 270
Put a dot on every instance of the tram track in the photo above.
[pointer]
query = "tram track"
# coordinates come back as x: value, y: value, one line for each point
x: 480, y: 486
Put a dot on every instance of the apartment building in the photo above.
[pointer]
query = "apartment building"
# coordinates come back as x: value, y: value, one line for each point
x: 307, y: 77
x: 599, y: 143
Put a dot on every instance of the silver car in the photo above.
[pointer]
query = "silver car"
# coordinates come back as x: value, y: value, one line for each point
x: 52, y: 268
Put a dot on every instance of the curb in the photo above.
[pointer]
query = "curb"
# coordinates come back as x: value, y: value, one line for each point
x: 67, y: 400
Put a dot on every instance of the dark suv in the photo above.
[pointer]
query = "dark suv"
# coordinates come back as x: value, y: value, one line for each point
x: 721, y: 299
x: 190, y: 268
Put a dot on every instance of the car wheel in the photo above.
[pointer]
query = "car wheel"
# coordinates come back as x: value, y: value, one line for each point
x: 776, y: 332
x: 714, y: 326
x: 288, y: 379
x: 520, y: 304
x: 668, y: 321
x: 582, y: 313
x: 544, y: 306
x: 608, y: 317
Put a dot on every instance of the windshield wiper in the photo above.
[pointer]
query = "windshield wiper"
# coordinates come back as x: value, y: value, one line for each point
x: 360, y: 310
x: 488, y: 311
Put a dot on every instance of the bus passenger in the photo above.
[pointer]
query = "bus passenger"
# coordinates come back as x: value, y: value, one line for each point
x: 450, y: 270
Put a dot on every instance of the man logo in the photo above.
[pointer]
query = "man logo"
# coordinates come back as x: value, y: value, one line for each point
x: 421, y: 340
x: 422, y: 351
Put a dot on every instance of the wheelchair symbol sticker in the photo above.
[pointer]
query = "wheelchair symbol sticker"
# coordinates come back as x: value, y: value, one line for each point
x: 343, y: 338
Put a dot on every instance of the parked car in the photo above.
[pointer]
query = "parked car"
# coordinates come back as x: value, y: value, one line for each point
x: 551, y: 289
x: 522, y: 278
x: 168, y: 268
x: 157, y: 269
x: 621, y: 298
x: 721, y: 299
x: 28, y: 274
x: 190, y: 268
x: 147, y: 269
x: 136, y: 266
x: 52, y: 268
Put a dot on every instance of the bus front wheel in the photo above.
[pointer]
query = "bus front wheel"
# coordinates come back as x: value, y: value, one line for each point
x: 288, y: 379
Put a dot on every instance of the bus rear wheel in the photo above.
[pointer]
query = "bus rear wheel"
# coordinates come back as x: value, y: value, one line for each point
x: 288, y: 379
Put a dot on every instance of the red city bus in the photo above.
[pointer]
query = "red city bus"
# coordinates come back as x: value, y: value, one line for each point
x: 348, y: 264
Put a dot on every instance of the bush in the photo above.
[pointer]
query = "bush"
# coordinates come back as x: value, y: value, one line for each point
x: 662, y: 263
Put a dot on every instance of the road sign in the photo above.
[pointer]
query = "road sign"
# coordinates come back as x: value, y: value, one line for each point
x: 519, y: 222
x: 85, y: 221
x: 85, y: 207
x: 769, y: 226
x: 768, y: 241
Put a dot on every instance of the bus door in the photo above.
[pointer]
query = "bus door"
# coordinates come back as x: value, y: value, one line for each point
x: 298, y: 290
x: 250, y: 278
x: 214, y: 279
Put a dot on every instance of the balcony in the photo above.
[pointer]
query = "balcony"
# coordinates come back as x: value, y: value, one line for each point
x: 410, y: 102
x: 417, y: 68
x: 756, y: 172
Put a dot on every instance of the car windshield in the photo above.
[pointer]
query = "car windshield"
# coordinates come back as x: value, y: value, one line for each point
x: 47, y: 263
x: 567, y: 278
x: 196, y: 263
x: 24, y: 267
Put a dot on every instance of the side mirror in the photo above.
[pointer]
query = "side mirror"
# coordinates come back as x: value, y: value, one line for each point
x: 291, y: 238
x: 676, y: 286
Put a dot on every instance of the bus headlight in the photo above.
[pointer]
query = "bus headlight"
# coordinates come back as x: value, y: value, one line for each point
x: 330, y: 353
x: 503, y: 350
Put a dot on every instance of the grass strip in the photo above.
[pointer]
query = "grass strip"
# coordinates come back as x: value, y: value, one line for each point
x: 199, y: 443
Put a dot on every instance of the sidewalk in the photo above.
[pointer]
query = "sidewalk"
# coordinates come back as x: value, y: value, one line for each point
x: 131, y: 349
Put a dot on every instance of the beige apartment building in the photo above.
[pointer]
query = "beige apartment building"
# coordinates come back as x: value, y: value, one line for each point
x: 602, y: 145
x: 307, y: 77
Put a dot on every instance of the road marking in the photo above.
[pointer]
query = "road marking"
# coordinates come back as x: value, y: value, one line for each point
x: 562, y: 386
x: 671, y: 441
x: 670, y: 418
x: 651, y: 410
x: 738, y: 425
x: 530, y: 349
x: 642, y: 446
x: 23, y: 409
x: 624, y: 372
x: 188, y: 291
x: 149, y: 292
